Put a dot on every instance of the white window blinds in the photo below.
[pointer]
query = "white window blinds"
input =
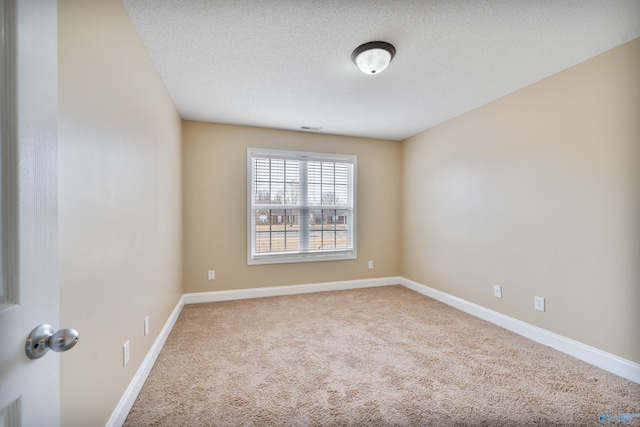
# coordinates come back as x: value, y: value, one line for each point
x: 301, y: 206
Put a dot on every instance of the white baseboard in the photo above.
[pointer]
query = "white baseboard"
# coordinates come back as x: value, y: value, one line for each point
x: 119, y: 414
x: 603, y: 360
x: 200, y: 297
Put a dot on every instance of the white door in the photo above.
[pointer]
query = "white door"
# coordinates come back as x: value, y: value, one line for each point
x: 29, y: 389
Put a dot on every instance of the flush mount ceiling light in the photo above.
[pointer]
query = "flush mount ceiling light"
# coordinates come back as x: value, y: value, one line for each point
x: 373, y: 57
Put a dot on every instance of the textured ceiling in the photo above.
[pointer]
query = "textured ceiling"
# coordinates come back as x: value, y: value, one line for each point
x: 287, y: 64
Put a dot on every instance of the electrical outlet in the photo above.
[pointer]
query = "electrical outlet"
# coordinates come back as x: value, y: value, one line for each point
x: 538, y: 303
x: 370, y: 264
x: 125, y: 354
x: 212, y: 274
x: 497, y: 291
x: 146, y: 326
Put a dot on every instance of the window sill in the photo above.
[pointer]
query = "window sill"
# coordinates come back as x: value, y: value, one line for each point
x: 309, y: 257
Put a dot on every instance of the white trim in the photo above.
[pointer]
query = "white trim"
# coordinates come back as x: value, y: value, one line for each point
x: 311, y: 256
x: 201, y: 297
x: 601, y: 359
x: 119, y: 414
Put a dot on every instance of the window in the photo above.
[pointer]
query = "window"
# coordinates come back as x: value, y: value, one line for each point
x: 310, y: 200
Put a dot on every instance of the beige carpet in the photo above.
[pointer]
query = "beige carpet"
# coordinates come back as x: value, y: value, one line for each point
x: 379, y: 357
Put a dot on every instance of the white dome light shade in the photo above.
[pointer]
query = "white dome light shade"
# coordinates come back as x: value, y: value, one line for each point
x: 373, y: 57
x: 373, y: 61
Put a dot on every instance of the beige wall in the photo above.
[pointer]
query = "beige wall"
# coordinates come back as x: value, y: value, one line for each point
x: 215, y: 206
x: 538, y: 192
x: 120, y: 204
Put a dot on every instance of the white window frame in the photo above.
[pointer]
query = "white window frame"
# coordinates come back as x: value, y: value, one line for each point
x: 308, y: 255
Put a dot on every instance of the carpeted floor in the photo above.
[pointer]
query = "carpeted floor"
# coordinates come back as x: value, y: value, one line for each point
x: 378, y: 357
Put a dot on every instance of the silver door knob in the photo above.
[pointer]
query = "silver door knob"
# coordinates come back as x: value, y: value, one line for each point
x: 43, y: 338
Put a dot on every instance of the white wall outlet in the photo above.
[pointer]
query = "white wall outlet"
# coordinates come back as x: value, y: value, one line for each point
x: 538, y: 303
x: 497, y: 291
x: 370, y: 264
x: 125, y: 354
x: 146, y: 326
x: 212, y: 274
